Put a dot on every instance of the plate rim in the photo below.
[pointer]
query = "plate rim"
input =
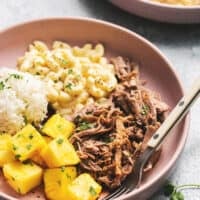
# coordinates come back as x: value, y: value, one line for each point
x: 186, y: 120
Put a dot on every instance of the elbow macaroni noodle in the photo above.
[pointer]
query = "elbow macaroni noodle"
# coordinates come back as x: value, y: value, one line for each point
x: 75, y: 76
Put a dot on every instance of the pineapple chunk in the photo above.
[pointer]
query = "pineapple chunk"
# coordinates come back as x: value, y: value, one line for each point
x: 37, y: 158
x: 47, y: 139
x: 60, y: 152
x: 56, y: 180
x: 6, y: 154
x: 84, y: 187
x: 27, y: 142
x: 58, y: 126
x: 22, y: 177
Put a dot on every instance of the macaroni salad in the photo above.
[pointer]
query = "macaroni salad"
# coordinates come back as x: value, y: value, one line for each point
x: 75, y: 76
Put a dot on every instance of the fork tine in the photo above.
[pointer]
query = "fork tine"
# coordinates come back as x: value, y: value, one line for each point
x: 123, y: 191
x: 119, y: 192
x: 134, y: 179
x: 114, y: 193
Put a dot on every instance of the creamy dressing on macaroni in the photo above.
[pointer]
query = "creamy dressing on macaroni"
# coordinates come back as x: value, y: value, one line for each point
x: 75, y: 76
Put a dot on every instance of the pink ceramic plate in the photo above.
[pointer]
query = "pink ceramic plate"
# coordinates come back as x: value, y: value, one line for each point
x: 160, y: 12
x: 155, y: 68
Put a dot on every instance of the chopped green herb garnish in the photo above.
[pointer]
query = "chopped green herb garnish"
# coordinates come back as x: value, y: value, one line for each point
x: 28, y: 146
x: 2, y: 85
x: 63, y: 61
x: 13, y: 178
x: 107, y: 139
x: 31, y: 136
x: 37, y: 73
x: 69, y: 86
x: 78, y: 77
x: 25, y: 120
x: 68, y: 176
x: 92, y: 191
x: 59, y: 126
x: 84, y: 126
x: 62, y: 169
x: 17, y: 156
x: 15, y: 147
x: 145, y: 109
x: 99, y: 81
x: 70, y: 71
x: 60, y: 141
x: 17, y: 76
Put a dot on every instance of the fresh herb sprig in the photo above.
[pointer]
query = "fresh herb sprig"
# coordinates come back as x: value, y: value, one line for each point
x: 174, y: 192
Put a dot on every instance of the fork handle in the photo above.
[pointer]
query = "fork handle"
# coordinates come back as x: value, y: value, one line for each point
x: 176, y: 115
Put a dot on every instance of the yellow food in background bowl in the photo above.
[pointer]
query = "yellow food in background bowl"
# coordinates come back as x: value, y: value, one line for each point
x: 180, y: 2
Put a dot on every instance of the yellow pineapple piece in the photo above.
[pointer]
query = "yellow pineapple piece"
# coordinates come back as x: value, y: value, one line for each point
x: 37, y: 158
x: 47, y: 139
x: 58, y: 126
x: 84, y: 187
x: 56, y: 180
x: 6, y: 154
x: 22, y: 177
x: 60, y: 152
x: 27, y: 142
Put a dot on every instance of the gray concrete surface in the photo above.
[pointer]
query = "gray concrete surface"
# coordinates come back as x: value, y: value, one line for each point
x: 180, y: 43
